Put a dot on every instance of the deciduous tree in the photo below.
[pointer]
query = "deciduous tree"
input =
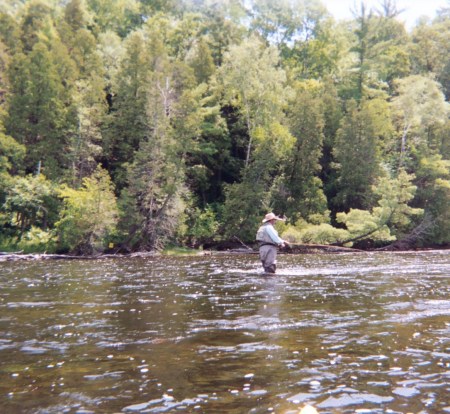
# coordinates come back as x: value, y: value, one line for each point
x: 89, y: 214
x: 419, y: 108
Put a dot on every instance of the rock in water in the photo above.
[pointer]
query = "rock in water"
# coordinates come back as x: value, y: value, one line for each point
x: 308, y: 409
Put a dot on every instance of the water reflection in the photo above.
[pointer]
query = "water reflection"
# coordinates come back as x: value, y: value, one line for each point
x: 345, y: 333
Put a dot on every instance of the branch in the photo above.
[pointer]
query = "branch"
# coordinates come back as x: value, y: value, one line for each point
x: 243, y: 244
x: 416, y: 234
x: 362, y: 236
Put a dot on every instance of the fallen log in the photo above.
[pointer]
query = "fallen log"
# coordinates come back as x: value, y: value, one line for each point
x: 292, y: 248
x: 315, y: 248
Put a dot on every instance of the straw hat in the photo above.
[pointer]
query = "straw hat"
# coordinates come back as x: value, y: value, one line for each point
x: 271, y: 216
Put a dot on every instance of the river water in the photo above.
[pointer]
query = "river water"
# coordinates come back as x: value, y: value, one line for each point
x: 346, y: 333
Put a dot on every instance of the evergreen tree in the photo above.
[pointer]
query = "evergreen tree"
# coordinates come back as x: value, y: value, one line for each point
x: 38, y: 113
x: 302, y: 30
x: 10, y: 32
x: 390, y: 218
x: 211, y: 162
x: 201, y: 61
x: 85, y: 143
x: 128, y: 123
x: 11, y: 158
x: 89, y: 94
x: 211, y: 113
x: 389, y: 47
x: 332, y: 114
x: 223, y: 27
x: 380, y: 46
x: 170, y: 121
x: 357, y: 153
x: 37, y: 18
x: 157, y: 175
x: 433, y: 177
x: 300, y: 189
x: 76, y: 15
x: 118, y: 16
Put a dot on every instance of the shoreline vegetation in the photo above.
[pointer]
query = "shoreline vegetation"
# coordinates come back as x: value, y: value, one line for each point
x: 143, y: 125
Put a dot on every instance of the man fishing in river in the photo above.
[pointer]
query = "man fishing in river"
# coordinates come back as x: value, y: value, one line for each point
x: 269, y: 241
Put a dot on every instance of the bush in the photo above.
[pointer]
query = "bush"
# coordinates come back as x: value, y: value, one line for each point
x: 203, y: 226
x: 323, y: 234
x: 89, y: 214
x: 37, y: 240
x: 317, y: 234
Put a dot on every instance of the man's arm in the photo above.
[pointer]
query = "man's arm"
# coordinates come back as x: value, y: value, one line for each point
x: 274, y: 236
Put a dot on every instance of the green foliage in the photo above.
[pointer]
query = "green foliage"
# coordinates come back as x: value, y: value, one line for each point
x: 11, y: 157
x: 128, y: 124
x: 440, y: 211
x: 243, y: 208
x: 247, y: 200
x: 357, y: 153
x: 156, y: 176
x: 362, y: 225
x: 9, y: 30
x: 298, y: 191
x: 201, y: 61
x: 434, y: 195
x: 36, y: 18
x: 253, y: 83
x: 29, y: 202
x: 120, y: 16
x: 431, y: 49
x: 381, y: 52
x: 419, y: 108
x: 316, y: 234
x: 40, y: 114
x: 247, y: 106
x: 390, y: 218
x: 89, y: 214
x: 37, y: 240
x: 304, y: 33
x: 395, y: 194
x: 76, y: 14
x: 202, y: 226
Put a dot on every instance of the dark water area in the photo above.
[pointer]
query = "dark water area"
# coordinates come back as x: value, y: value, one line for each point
x: 346, y: 333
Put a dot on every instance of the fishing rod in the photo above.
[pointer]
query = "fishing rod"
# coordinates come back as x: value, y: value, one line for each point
x: 330, y: 247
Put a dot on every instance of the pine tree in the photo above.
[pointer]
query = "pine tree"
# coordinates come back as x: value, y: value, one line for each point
x: 357, y: 153
x: 38, y: 113
x: 128, y: 123
x: 300, y: 189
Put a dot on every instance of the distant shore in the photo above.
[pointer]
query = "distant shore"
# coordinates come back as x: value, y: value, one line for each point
x: 294, y: 249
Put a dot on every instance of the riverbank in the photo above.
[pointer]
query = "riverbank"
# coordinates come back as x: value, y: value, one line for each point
x: 236, y: 249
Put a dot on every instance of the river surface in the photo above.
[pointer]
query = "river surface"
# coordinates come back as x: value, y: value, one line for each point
x: 346, y: 333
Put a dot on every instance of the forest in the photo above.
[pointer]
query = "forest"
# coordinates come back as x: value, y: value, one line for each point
x: 133, y: 125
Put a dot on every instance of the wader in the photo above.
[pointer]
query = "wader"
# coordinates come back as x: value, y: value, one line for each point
x: 268, y: 256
